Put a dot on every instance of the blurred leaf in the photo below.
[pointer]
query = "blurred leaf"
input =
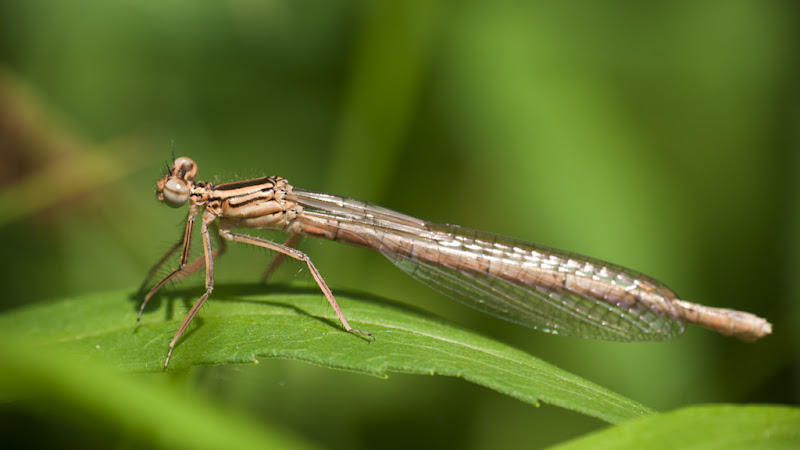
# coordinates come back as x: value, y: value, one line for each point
x: 240, y: 325
x: 707, y: 427
x: 57, y: 183
x: 43, y: 164
x: 384, y: 92
x: 146, y: 410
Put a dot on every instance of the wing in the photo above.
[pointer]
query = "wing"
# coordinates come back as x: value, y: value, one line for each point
x: 552, y: 309
x: 547, y: 289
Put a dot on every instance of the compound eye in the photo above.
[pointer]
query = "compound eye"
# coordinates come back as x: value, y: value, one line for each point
x: 176, y: 193
x: 187, y: 169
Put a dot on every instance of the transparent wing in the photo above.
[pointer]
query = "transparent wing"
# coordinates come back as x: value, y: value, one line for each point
x: 551, y: 309
x: 542, y: 288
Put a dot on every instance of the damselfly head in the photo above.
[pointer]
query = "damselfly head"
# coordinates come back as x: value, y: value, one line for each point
x: 176, y: 186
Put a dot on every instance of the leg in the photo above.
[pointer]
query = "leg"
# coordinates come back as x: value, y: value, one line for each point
x: 291, y: 242
x: 300, y: 256
x: 208, y: 217
x: 160, y: 263
x: 189, y: 268
x: 198, y: 262
x: 187, y: 239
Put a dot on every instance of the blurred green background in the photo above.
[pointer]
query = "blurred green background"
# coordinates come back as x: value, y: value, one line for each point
x: 660, y: 136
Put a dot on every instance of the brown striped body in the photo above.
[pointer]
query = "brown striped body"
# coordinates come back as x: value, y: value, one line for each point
x: 544, y: 288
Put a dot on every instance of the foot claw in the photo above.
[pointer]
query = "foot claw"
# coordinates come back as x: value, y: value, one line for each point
x: 367, y: 334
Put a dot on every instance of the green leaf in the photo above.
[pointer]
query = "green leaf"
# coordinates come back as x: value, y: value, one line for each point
x: 707, y: 427
x: 242, y: 324
x: 146, y: 410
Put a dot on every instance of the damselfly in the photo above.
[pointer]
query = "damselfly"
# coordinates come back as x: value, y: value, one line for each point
x: 551, y: 290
